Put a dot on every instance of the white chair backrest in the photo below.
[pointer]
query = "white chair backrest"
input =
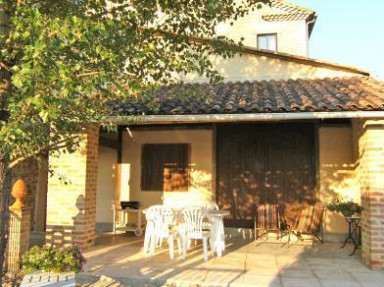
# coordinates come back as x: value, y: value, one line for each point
x: 176, y: 204
x: 162, y: 217
x: 193, y: 217
x: 209, y: 205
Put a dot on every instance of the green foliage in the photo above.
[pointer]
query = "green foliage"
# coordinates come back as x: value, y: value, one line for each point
x: 61, y: 61
x: 68, y: 58
x: 346, y: 208
x: 56, y: 259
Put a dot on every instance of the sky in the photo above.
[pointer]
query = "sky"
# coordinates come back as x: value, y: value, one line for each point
x: 348, y: 32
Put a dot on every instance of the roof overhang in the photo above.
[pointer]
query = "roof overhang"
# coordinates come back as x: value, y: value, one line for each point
x: 303, y: 60
x: 289, y: 57
x: 226, y: 118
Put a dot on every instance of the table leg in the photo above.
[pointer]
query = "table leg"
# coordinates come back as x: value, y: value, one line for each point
x: 148, y: 236
x: 345, y: 242
x: 222, y: 233
x: 219, y: 247
x: 114, y: 220
x: 213, y: 237
x: 139, y: 222
x: 349, y: 237
x: 357, y: 233
x: 352, y: 236
x: 217, y: 237
x: 354, y: 250
x: 170, y: 244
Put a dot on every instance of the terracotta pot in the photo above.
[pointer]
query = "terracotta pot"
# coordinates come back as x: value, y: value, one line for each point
x: 19, y: 192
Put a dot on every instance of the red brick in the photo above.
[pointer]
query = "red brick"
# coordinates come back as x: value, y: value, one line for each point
x: 371, y: 160
x: 71, y: 219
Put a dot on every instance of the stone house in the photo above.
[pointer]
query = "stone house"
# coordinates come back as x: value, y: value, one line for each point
x: 281, y: 127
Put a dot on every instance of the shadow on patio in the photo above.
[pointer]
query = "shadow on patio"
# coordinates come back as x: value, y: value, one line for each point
x: 245, y: 263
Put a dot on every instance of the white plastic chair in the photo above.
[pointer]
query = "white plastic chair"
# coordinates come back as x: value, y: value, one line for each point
x: 193, y: 228
x: 209, y: 205
x: 160, y: 219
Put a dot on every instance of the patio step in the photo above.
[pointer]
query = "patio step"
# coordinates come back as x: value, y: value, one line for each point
x: 87, y: 280
x: 43, y: 279
x: 104, y: 281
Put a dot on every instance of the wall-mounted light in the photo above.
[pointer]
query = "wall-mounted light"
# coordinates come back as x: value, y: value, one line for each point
x: 129, y: 132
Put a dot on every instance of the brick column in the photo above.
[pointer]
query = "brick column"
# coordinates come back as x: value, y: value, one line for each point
x: 371, y: 177
x: 19, y: 227
x: 18, y: 242
x: 71, y: 198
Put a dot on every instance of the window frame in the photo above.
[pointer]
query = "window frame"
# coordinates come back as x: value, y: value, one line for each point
x: 143, y: 185
x: 266, y: 34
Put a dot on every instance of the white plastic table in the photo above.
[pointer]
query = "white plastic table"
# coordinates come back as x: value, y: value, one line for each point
x: 217, y: 230
x: 149, y: 231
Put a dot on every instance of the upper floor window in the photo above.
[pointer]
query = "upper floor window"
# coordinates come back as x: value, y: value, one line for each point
x: 267, y: 42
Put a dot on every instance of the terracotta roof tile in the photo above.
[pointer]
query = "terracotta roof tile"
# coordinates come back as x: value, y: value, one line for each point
x: 289, y: 12
x: 285, y: 17
x: 329, y: 94
x: 289, y: 7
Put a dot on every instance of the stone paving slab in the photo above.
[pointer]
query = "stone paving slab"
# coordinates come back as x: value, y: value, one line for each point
x: 245, y: 263
x: 300, y: 282
x: 339, y: 283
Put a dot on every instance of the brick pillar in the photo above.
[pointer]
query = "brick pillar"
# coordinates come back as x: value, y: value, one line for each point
x: 71, y: 198
x: 371, y: 177
x: 18, y: 242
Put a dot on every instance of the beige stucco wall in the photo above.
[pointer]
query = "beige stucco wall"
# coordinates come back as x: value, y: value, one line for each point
x: 336, y: 169
x: 251, y: 68
x: 292, y: 36
x: 202, y: 174
x: 106, y: 185
x: 337, y: 174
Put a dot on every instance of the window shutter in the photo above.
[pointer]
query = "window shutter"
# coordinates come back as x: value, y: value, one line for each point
x: 164, y: 166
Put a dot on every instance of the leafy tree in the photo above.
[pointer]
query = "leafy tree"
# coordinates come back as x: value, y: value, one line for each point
x: 62, y: 60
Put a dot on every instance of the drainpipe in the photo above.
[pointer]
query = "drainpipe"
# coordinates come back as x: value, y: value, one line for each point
x: 309, y: 23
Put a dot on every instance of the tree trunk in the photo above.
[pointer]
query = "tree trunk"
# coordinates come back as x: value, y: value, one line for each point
x: 5, y: 173
x: 5, y: 190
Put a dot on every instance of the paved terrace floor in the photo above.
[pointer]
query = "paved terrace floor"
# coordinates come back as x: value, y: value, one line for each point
x: 245, y: 263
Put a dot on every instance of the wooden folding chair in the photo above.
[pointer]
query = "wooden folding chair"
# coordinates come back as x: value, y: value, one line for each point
x: 309, y: 222
x: 268, y: 218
